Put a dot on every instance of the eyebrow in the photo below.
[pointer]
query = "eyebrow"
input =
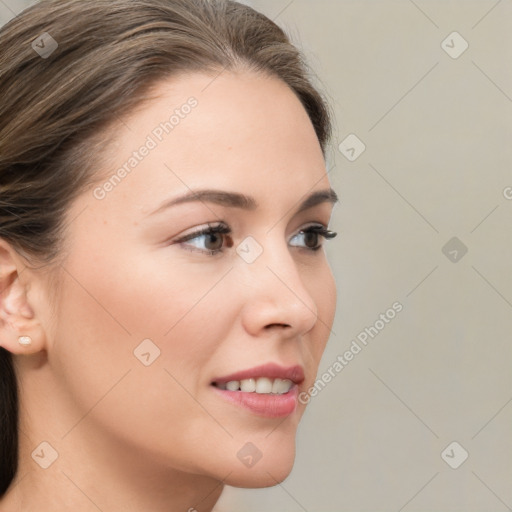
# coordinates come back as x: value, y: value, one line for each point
x: 245, y: 202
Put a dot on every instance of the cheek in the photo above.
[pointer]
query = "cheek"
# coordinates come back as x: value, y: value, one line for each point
x: 322, y: 289
x: 103, y: 318
x: 111, y: 309
x: 324, y: 294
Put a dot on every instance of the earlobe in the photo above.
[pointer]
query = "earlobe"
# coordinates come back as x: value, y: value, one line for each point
x: 20, y: 331
x: 25, y: 340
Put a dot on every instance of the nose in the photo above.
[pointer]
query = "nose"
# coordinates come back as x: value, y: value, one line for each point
x: 275, y: 296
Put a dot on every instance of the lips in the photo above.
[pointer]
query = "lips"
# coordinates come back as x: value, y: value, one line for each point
x: 279, y: 401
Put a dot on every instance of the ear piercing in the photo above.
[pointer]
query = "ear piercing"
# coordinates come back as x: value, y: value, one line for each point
x: 24, y: 340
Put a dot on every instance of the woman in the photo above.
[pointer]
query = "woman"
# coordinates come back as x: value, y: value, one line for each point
x: 164, y: 292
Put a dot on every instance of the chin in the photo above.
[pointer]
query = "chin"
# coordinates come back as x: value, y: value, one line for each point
x: 258, y: 478
x: 273, y: 468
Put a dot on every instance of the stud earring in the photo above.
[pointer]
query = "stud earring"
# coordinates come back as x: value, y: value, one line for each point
x: 24, y: 340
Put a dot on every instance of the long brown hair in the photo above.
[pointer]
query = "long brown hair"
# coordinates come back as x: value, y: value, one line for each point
x: 69, y: 68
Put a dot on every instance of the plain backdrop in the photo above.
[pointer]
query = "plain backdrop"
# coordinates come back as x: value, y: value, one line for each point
x: 420, y: 418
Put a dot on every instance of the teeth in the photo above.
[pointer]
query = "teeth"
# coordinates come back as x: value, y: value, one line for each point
x: 233, y: 385
x: 263, y: 385
x: 248, y: 385
x: 281, y: 386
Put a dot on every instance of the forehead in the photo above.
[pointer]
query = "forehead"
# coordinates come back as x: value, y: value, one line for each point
x: 231, y: 107
x: 238, y: 131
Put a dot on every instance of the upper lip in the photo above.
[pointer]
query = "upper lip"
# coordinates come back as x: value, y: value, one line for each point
x: 269, y: 370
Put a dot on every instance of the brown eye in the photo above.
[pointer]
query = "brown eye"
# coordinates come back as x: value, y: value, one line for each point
x: 213, y: 241
x: 311, y: 235
x: 210, y: 240
x: 311, y: 239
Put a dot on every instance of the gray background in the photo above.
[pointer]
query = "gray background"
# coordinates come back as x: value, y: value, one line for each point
x: 436, y: 166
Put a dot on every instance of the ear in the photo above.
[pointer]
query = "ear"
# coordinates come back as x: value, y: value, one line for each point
x: 17, y: 317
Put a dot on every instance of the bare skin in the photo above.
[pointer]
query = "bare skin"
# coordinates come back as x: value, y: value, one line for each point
x: 131, y: 437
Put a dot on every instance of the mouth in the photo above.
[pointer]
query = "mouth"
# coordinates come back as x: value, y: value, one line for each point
x: 269, y: 390
x: 260, y: 385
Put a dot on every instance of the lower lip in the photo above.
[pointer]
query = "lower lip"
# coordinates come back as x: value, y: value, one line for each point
x: 268, y: 405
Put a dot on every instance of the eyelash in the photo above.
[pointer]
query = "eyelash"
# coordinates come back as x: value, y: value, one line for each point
x: 223, y: 229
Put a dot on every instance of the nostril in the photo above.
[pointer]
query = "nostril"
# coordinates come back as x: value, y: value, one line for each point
x: 278, y: 325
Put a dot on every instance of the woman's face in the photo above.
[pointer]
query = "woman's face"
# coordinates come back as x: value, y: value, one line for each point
x: 149, y: 327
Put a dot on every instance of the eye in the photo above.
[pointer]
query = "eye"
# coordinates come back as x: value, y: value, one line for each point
x: 212, y: 237
x: 311, y: 235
